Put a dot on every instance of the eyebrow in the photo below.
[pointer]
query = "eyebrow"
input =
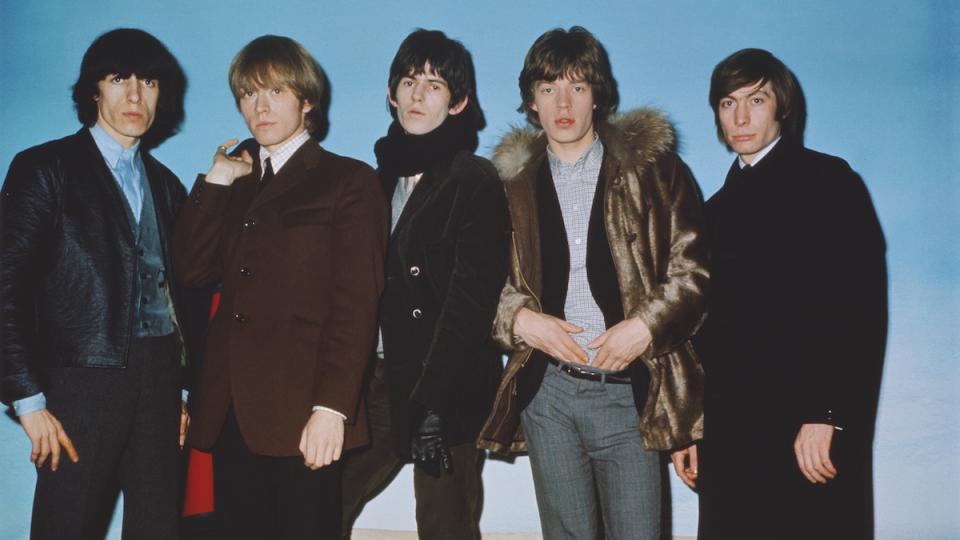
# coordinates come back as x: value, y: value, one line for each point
x: 436, y: 80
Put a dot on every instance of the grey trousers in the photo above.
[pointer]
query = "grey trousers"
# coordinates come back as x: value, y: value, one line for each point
x: 592, y: 477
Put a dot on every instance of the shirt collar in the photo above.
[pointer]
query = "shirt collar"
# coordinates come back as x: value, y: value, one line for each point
x: 590, y: 154
x: 759, y: 155
x: 281, y: 155
x: 111, y: 150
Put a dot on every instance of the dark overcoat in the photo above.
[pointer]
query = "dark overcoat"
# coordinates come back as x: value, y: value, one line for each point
x: 301, y: 264
x: 795, y: 334
x: 446, y: 264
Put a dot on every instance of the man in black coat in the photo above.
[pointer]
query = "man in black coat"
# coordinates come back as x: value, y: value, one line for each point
x: 437, y: 372
x: 794, y: 341
x: 92, y: 343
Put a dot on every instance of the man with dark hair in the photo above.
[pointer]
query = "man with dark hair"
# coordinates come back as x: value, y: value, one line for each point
x: 794, y: 342
x: 92, y: 324
x: 437, y: 368
x: 297, y: 238
x: 605, y: 290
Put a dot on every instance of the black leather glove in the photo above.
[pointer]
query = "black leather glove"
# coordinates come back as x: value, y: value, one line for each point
x: 428, y: 448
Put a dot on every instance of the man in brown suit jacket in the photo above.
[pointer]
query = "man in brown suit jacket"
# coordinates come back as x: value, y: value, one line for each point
x: 297, y: 237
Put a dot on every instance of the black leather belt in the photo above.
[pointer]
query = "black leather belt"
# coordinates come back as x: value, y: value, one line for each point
x: 619, y: 377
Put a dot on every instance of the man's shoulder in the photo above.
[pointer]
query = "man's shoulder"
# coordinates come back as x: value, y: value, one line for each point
x: 470, y: 169
x: 53, y: 150
x: 643, y: 135
x: 517, y: 150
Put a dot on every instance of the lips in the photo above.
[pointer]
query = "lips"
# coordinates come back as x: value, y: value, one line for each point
x: 564, y: 122
x: 742, y: 138
x: 132, y: 115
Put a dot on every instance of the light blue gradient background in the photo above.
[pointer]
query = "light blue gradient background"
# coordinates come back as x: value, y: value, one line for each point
x: 881, y: 80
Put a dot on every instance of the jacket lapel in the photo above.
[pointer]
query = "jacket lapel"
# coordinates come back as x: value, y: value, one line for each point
x: 102, y: 180
x: 293, y: 172
x: 420, y: 194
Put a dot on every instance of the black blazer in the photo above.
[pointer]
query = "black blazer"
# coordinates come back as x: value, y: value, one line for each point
x: 69, y: 260
x: 446, y: 264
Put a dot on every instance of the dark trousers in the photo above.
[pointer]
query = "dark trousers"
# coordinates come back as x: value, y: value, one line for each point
x: 124, y: 425
x: 277, y: 498
x: 448, y: 505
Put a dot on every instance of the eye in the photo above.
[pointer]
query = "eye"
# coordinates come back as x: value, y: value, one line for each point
x: 276, y: 91
x: 434, y: 86
x: 117, y: 79
x: 579, y: 88
x: 726, y: 103
x: 407, y: 82
x: 546, y: 90
x: 757, y: 100
x: 149, y: 83
x: 248, y: 93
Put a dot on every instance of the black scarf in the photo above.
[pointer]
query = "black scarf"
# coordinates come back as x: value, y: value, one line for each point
x: 402, y: 154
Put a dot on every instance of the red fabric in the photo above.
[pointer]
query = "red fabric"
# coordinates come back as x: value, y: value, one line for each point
x: 198, y: 498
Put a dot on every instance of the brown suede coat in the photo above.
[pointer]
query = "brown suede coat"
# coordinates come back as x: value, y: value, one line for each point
x: 652, y: 215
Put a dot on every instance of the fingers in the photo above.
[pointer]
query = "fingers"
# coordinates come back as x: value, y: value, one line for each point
x: 222, y: 149
x: 568, y: 326
x: 184, y: 424
x: 246, y: 157
x: 44, y: 450
x: 684, y: 464
x: 67, y: 446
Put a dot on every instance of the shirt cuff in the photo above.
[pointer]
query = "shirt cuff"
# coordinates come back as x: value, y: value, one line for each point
x: 329, y: 410
x: 184, y: 395
x: 30, y: 404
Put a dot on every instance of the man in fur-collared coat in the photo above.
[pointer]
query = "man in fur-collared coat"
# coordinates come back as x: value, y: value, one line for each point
x: 606, y: 288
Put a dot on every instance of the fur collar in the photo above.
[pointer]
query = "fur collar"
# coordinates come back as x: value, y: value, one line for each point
x: 638, y: 136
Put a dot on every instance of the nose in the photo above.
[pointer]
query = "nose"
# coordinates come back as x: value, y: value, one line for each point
x: 563, y: 99
x: 261, y: 104
x: 133, y: 89
x: 741, y: 116
x: 418, y: 91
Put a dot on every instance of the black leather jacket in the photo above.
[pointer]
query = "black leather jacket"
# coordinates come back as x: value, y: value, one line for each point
x: 68, y: 261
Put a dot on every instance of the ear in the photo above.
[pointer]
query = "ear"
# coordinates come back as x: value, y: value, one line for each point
x: 533, y: 107
x: 459, y: 107
x: 306, y: 107
x: 390, y: 100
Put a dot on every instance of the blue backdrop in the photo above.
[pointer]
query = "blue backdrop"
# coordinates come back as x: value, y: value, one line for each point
x: 881, y: 80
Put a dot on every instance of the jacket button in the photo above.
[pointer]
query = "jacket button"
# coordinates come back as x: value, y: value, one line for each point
x: 245, y: 272
x: 631, y: 236
x: 240, y: 318
x: 417, y: 313
x: 414, y: 271
x: 249, y: 223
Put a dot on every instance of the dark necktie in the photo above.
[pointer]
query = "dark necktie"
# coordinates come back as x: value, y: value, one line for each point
x: 267, y: 175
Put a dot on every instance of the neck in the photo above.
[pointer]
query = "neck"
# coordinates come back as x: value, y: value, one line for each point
x: 123, y: 140
x: 571, y: 151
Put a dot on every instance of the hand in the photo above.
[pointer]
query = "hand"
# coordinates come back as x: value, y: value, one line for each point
x: 184, y: 423
x: 226, y: 168
x: 621, y: 344
x: 550, y: 335
x: 685, y: 464
x: 322, y: 439
x: 812, y: 447
x: 428, y: 447
x: 46, y: 438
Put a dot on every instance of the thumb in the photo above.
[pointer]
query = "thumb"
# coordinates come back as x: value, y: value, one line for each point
x: 569, y: 327
x: 599, y: 341
x: 245, y: 156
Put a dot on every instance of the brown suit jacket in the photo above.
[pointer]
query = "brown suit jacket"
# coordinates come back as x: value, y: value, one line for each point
x: 301, y: 265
